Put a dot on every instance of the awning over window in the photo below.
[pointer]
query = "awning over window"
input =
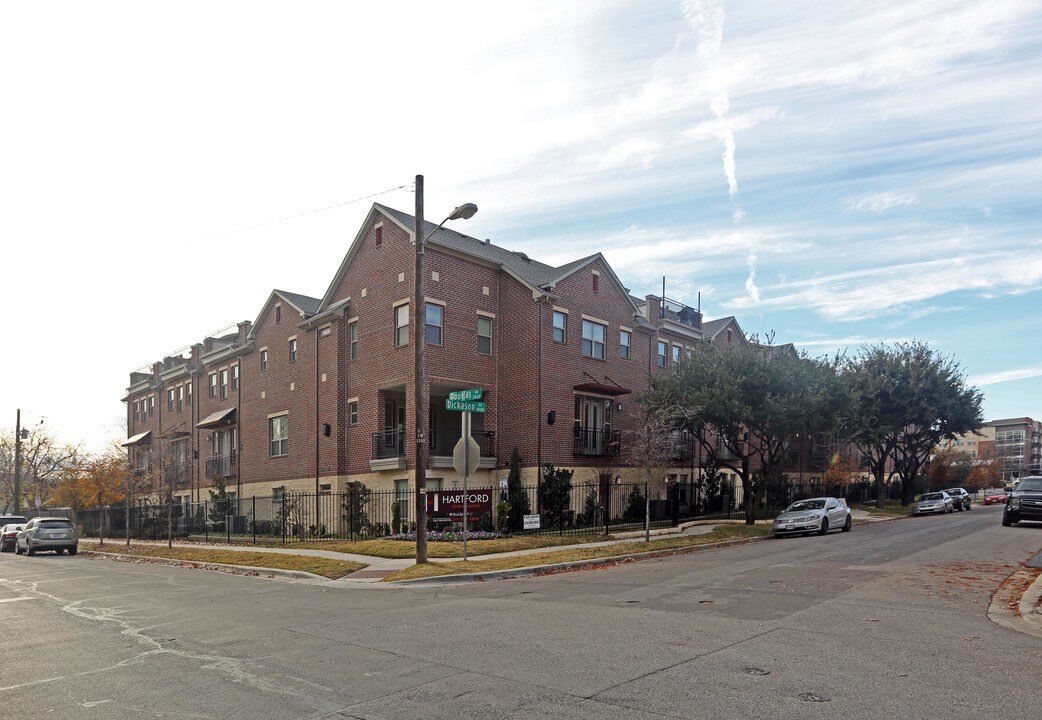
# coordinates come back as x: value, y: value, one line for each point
x: 139, y: 439
x: 217, y: 419
x: 601, y: 389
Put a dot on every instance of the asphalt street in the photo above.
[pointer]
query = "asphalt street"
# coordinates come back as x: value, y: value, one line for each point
x: 890, y: 620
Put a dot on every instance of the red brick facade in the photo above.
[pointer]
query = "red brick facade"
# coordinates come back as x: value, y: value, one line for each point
x: 565, y: 402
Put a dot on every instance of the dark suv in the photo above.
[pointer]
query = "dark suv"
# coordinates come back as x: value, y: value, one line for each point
x: 960, y: 498
x: 1025, y: 502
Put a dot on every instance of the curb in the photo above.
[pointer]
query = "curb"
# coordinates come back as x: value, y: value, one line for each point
x: 1013, y: 604
x: 554, y: 568
x: 218, y: 567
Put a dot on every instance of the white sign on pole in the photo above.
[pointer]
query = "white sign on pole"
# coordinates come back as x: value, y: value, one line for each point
x: 531, y: 522
x: 502, y: 484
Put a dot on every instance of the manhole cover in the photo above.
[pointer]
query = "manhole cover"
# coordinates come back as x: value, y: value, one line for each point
x: 813, y: 697
x: 756, y: 671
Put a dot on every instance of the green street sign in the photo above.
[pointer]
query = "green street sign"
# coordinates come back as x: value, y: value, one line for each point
x: 465, y: 406
x: 472, y: 394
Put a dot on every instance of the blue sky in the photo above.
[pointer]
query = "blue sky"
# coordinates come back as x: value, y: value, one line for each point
x: 834, y: 173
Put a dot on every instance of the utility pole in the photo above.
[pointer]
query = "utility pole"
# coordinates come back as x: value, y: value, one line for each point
x: 17, y: 461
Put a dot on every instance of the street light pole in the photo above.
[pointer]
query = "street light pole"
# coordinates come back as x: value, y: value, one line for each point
x: 465, y: 212
x: 17, y: 460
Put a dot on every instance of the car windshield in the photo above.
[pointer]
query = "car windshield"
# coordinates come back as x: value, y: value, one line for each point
x: 954, y: 491
x: 800, y: 505
x: 932, y: 496
x: 54, y: 524
x: 1031, y: 484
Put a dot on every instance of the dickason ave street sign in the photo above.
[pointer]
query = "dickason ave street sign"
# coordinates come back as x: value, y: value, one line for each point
x: 465, y: 406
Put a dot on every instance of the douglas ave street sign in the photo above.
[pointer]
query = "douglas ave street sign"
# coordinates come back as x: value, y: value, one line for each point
x: 471, y: 394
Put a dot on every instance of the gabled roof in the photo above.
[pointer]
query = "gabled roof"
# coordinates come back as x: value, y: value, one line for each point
x: 305, y: 305
x: 540, y: 277
x: 712, y: 328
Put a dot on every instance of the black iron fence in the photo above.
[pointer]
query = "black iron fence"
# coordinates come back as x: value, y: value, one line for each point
x: 360, y: 513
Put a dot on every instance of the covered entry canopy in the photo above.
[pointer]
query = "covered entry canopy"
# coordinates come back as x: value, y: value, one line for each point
x: 139, y: 439
x: 217, y: 419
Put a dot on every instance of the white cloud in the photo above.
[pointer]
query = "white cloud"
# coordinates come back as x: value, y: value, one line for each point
x: 879, y: 202
x: 1003, y: 376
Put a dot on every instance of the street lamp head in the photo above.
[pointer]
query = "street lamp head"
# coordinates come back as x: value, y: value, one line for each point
x: 465, y: 212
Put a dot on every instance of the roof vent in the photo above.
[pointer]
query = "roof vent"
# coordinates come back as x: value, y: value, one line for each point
x: 487, y: 241
x: 522, y: 256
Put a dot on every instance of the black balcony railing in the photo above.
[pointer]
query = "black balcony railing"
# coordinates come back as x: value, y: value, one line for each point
x: 388, y: 444
x: 592, y: 441
x: 681, y: 445
x: 221, y: 466
x: 443, y: 442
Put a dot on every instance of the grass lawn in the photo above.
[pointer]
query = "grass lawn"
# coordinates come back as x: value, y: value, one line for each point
x: 719, y: 534
x: 891, y: 508
x: 319, y: 566
x: 407, y: 549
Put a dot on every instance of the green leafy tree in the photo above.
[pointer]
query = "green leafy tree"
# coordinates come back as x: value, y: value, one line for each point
x: 555, y: 494
x: 904, y: 400
x: 220, y: 502
x: 746, y: 402
x: 517, y: 497
x: 354, y: 509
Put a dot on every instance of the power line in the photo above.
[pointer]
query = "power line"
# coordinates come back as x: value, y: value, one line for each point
x: 312, y: 212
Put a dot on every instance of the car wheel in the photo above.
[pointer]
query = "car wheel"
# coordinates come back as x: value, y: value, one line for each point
x: 968, y: 506
x: 777, y: 536
x: 72, y: 550
x: 29, y: 549
x: 847, y: 525
x: 59, y: 551
x: 1006, y: 519
x: 17, y: 548
x: 824, y: 526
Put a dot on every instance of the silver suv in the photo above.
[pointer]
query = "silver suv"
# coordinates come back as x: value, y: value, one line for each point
x: 960, y: 498
x: 47, y: 533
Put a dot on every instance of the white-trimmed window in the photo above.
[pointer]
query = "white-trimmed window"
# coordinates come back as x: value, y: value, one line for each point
x: 224, y: 383
x: 170, y: 399
x: 352, y: 412
x: 593, y: 339
x: 560, y: 325
x: 435, y: 323
x: 151, y: 405
x: 213, y: 384
x: 676, y: 356
x: 484, y: 335
x: 352, y: 333
x: 624, y: 344
x: 278, y: 435
x: 264, y: 359
x: 180, y: 398
x: 401, y: 325
x: 137, y: 411
x: 660, y: 357
x: 235, y: 377
x: 293, y: 349
x: 188, y: 394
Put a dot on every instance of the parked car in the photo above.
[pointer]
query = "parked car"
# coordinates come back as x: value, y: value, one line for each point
x: 1024, y: 503
x: 47, y: 533
x: 812, y: 515
x: 960, y: 498
x: 934, y: 502
x: 13, y: 519
x: 995, y: 498
x: 8, y: 533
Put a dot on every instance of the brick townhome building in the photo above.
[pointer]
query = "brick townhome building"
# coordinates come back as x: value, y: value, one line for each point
x: 316, y: 393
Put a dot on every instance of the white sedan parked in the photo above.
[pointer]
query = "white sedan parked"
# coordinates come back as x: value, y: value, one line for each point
x: 934, y: 502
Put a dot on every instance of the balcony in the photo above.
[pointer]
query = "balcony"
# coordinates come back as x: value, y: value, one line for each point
x: 443, y: 442
x: 596, y: 442
x: 388, y: 450
x: 221, y: 466
x: 681, y: 446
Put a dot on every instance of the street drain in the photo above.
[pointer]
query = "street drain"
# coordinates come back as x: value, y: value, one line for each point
x: 812, y: 697
x: 756, y: 671
x: 632, y: 602
x: 705, y: 602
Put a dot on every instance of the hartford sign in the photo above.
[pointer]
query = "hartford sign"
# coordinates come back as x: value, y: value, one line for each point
x: 445, y: 507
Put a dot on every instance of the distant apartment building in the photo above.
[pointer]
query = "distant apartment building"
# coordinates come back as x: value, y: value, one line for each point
x: 1016, y: 443
x: 316, y: 393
